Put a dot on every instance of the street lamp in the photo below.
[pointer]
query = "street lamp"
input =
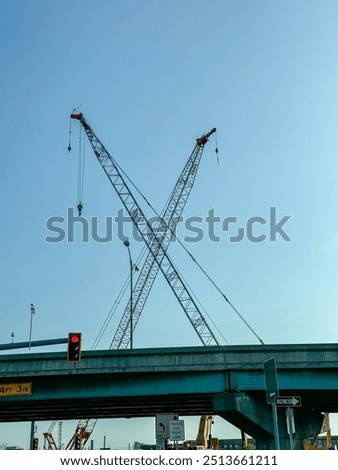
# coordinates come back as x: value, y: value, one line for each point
x: 132, y: 267
x: 31, y: 325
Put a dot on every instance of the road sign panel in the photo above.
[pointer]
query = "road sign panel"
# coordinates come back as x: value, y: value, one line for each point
x: 176, y: 429
x: 162, y: 425
x: 271, y: 383
x: 288, y: 401
x: 13, y: 389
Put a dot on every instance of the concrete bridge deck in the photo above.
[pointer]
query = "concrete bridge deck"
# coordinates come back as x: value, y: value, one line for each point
x: 224, y: 380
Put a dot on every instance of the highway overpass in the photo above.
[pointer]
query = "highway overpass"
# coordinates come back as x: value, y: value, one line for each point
x: 222, y: 380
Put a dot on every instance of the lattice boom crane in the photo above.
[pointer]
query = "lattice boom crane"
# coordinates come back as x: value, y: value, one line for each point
x: 154, y: 241
x: 159, y: 240
x: 164, y: 231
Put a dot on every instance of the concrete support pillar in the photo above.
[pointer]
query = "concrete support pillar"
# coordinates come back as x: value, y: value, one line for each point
x: 253, y: 415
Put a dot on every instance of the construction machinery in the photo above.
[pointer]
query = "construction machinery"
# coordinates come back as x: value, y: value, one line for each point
x: 51, y: 444
x: 81, y: 435
x: 163, y: 234
x: 157, y: 239
x: 312, y: 443
x: 204, y: 439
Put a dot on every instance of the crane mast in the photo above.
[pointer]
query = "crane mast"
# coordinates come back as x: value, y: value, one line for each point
x: 166, y: 225
x: 153, y: 240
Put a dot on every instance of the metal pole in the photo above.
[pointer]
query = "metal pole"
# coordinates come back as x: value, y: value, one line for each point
x: 60, y: 435
x: 275, y: 425
x: 32, y: 434
x: 32, y: 344
x: 31, y: 325
x: 127, y: 244
x: 290, y: 424
x: 131, y: 303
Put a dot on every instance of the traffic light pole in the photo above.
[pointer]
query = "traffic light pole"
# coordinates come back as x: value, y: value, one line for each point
x: 32, y: 435
x: 29, y: 344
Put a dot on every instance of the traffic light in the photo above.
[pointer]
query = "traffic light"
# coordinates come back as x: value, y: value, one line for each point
x: 74, y: 347
x: 77, y: 444
x: 35, y: 443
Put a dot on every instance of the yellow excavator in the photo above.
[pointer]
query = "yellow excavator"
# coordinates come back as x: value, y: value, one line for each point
x: 204, y: 440
x: 311, y: 443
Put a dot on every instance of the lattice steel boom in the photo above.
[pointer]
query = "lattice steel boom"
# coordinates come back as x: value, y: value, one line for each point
x: 164, y: 230
x: 157, y: 242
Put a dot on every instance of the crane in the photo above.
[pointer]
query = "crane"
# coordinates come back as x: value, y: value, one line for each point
x: 161, y: 237
x: 49, y: 439
x: 166, y: 226
x: 156, y: 242
x: 82, y: 433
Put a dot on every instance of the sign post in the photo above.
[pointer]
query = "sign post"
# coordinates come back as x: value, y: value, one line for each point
x: 176, y: 431
x: 272, y: 391
x: 290, y: 425
x: 289, y: 403
x: 162, y: 429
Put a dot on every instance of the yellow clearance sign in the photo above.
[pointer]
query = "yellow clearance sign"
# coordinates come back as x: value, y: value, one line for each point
x: 12, y: 389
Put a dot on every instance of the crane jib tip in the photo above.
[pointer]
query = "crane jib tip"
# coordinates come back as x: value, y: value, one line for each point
x: 76, y: 116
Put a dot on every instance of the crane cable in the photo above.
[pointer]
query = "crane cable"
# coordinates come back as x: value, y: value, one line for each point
x: 117, y: 302
x: 216, y: 148
x: 196, y: 298
x: 81, y: 164
x: 81, y: 167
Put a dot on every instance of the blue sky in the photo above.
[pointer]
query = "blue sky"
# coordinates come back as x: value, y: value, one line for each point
x: 151, y: 76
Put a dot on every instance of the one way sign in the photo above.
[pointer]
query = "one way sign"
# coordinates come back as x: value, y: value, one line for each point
x: 288, y: 401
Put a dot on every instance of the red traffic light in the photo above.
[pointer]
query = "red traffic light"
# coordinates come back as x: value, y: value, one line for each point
x: 74, y: 347
x: 74, y: 338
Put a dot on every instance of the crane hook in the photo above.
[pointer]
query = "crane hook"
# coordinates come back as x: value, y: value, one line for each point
x: 79, y: 208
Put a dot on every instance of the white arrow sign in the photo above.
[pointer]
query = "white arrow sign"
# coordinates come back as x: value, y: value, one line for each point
x: 288, y: 401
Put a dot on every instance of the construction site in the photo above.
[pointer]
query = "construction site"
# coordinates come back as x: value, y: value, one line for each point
x: 169, y: 427
x: 169, y: 239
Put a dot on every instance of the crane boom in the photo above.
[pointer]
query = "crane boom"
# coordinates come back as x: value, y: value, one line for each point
x: 167, y: 223
x: 152, y: 240
x: 82, y: 433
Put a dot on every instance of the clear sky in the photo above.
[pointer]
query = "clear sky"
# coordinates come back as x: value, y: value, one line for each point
x: 150, y: 77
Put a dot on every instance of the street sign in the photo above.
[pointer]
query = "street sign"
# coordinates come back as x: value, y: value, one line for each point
x: 162, y: 425
x: 272, y: 391
x: 176, y: 430
x: 288, y: 401
x: 271, y: 384
x: 13, y: 389
x: 290, y: 421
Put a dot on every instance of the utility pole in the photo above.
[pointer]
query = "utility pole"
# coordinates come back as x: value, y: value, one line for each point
x: 31, y: 324
x: 60, y: 435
